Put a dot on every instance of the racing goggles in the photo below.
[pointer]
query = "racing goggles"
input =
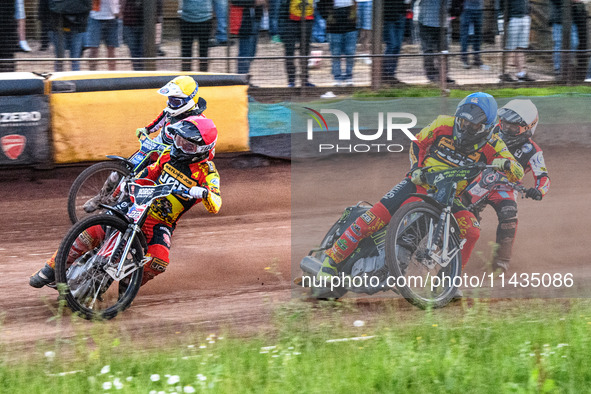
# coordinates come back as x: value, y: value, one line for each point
x: 177, y: 102
x: 191, y: 147
x: 512, y: 129
x: 465, y: 126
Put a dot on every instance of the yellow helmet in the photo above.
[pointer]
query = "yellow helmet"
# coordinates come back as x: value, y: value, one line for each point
x: 181, y: 93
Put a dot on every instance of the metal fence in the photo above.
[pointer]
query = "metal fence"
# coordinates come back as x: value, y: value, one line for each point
x: 268, y: 68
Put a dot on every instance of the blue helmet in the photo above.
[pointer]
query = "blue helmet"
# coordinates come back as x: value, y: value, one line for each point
x: 474, y: 121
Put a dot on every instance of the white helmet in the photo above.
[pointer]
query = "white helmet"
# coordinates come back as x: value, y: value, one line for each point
x: 181, y: 93
x: 518, y: 120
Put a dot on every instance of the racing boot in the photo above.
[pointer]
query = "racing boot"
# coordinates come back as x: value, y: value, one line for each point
x: 45, y: 276
x: 328, y: 269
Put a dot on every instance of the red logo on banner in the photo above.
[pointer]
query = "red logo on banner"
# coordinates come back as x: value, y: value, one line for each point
x: 13, y: 145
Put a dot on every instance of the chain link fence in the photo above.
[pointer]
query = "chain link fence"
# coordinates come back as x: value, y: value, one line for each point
x: 440, y: 43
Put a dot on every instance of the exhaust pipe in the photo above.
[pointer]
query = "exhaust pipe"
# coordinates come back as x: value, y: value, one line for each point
x: 310, y: 265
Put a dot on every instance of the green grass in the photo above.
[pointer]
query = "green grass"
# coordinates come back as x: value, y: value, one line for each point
x: 460, y: 93
x: 510, y: 346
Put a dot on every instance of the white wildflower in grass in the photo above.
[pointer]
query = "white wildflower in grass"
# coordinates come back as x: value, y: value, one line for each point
x: 296, y: 353
x: 154, y: 377
x: 359, y: 323
x: 174, y: 379
x: 561, y: 345
x: 50, y: 355
x: 202, y: 347
x: 191, y: 347
x: 105, y: 369
x: 129, y: 378
x: 201, y: 377
x: 107, y: 386
x: 117, y: 383
x: 152, y: 392
x: 188, y: 389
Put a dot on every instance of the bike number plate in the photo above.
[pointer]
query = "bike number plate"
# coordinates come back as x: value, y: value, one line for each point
x: 135, y: 213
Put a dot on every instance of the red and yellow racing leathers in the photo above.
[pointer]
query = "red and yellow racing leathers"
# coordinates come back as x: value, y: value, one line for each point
x: 434, y: 147
x: 165, y: 212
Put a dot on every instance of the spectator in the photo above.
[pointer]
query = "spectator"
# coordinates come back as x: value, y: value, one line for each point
x: 341, y: 26
x: 517, y: 37
x: 274, y: 6
x: 19, y: 15
x: 296, y: 19
x: 364, y: 26
x: 196, y: 22
x: 318, y: 28
x: 394, y: 27
x: 556, y: 23
x: 133, y: 31
x: 43, y: 16
x: 471, y: 32
x: 248, y: 34
x: 579, y: 13
x: 433, y: 34
x: 8, y: 38
x: 103, y: 25
x: 220, y: 8
x: 68, y: 31
x: 159, y: 23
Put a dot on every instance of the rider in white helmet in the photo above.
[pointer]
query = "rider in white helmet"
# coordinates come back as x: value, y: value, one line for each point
x: 518, y: 120
x: 183, y: 102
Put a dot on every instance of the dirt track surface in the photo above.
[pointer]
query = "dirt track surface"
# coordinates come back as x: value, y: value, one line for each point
x: 232, y: 270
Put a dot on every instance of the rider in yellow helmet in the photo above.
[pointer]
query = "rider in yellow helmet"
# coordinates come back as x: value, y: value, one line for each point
x: 183, y: 102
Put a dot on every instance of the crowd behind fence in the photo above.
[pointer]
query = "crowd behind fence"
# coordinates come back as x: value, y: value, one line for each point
x: 306, y: 43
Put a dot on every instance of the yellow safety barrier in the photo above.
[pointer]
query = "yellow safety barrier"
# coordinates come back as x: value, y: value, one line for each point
x: 96, y: 113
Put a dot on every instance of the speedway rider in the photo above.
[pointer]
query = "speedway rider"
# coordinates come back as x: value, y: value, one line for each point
x: 188, y: 165
x: 449, y: 141
x: 518, y: 120
x: 182, y: 103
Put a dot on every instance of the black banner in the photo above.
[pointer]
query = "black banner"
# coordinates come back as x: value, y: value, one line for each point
x: 24, y: 130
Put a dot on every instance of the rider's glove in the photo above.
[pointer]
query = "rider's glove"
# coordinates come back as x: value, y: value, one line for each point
x: 416, y: 176
x: 140, y: 131
x: 502, y: 164
x: 198, y: 192
x: 534, y: 194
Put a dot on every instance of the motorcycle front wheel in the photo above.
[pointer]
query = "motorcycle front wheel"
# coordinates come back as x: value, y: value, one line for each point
x: 419, y: 279
x: 93, y: 247
x: 93, y: 186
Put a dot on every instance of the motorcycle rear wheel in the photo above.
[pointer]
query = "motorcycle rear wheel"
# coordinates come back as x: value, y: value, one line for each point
x: 80, y: 275
x: 407, y: 260
x: 89, y: 184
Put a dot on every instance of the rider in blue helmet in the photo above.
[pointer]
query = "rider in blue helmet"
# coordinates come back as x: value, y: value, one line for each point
x: 474, y: 121
x: 448, y: 141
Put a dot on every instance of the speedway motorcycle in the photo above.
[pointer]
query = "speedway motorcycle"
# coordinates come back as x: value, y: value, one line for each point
x: 98, y: 278
x: 417, y: 255
x: 96, y: 184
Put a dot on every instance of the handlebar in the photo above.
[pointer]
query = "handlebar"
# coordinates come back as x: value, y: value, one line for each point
x: 182, y: 193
